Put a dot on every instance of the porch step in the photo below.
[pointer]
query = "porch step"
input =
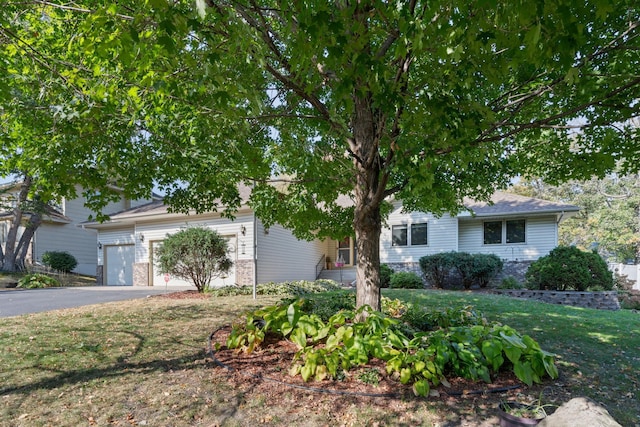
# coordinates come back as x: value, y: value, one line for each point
x: 348, y: 275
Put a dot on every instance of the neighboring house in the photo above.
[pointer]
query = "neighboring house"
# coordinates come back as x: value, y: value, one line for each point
x: 516, y: 228
x: 61, y: 231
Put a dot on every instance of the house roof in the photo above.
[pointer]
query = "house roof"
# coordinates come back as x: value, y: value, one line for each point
x: 154, y: 209
x: 503, y: 204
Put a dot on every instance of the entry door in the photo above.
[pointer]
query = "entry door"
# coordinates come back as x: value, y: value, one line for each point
x: 346, y: 251
x: 119, y: 262
x: 224, y: 280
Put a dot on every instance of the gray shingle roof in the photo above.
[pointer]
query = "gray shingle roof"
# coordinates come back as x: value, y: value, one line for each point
x: 512, y: 204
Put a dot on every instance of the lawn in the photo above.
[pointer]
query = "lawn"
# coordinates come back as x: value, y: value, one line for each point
x: 144, y: 363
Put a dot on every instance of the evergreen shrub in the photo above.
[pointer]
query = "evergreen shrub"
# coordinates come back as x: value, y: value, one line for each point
x: 405, y: 280
x: 385, y: 275
x: 60, y: 261
x: 567, y: 268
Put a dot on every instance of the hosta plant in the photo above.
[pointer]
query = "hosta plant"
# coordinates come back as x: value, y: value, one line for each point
x: 461, y: 343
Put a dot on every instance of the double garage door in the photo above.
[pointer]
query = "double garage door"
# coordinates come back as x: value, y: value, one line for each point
x: 119, y: 261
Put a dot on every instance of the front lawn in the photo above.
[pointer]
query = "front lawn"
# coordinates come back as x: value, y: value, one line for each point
x: 144, y: 363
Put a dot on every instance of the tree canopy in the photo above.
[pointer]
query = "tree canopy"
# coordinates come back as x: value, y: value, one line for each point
x: 427, y: 102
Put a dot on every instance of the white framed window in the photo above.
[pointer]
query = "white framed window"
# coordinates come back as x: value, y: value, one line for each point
x: 504, y: 232
x: 409, y: 235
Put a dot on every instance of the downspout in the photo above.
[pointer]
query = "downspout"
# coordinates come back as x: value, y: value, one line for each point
x: 557, y: 225
x: 255, y: 255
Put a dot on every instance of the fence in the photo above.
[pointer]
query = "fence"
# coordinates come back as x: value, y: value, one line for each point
x: 630, y: 270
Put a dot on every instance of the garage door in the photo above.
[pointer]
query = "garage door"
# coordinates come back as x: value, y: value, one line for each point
x: 228, y: 279
x: 119, y: 262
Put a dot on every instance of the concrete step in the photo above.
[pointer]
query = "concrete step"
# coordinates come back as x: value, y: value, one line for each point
x: 348, y: 275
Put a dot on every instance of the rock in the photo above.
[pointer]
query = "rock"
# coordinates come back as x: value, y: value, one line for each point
x: 580, y: 411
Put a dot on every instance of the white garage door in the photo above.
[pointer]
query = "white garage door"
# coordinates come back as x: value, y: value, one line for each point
x: 119, y: 261
x: 228, y: 279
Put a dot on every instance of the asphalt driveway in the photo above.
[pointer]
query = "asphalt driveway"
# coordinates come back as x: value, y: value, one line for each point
x: 15, y: 302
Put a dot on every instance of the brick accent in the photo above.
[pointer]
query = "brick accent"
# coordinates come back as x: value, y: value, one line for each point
x: 141, y: 274
x: 244, y: 272
x: 607, y: 300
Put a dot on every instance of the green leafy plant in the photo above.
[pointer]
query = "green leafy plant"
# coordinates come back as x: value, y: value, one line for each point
x: 406, y: 280
x: 568, y: 268
x: 60, y: 261
x: 370, y: 376
x: 510, y: 282
x: 37, y: 280
x: 464, y: 345
x: 293, y: 288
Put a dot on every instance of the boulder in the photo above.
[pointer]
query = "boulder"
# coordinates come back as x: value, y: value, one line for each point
x: 580, y: 411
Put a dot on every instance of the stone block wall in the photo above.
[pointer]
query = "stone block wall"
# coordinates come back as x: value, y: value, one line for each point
x: 607, y: 300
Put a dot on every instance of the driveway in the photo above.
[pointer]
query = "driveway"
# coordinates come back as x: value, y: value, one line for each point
x: 15, y: 302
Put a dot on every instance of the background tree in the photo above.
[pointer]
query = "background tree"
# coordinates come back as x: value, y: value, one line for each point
x: 428, y: 102
x: 609, y: 218
x: 196, y: 254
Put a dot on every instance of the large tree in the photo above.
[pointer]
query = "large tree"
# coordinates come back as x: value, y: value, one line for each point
x: 427, y: 102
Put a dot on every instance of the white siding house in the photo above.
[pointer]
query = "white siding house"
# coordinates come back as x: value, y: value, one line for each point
x: 259, y: 255
x: 518, y: 229
x: 61, y: 230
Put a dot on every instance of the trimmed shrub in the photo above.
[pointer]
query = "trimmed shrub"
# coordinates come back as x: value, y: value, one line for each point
x: 567, y: 268
x: 462, y: 263
x: 485, y: 268
x: 60, y: 261
x: 436, y: 268
x: 37, y: 280
x: 406, y: 280
x: 471, y: 268
x: 510, y: 282
x: 385, y: 275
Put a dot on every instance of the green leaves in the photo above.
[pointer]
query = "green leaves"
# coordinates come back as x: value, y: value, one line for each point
x: 472, y: 351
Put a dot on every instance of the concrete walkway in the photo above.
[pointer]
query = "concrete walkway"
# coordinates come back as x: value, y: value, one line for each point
x: 16, y: 302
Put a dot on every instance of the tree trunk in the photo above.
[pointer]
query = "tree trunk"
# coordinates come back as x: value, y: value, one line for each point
x: 25, y: 240
x: 367, y: 221
x: 16, y: 220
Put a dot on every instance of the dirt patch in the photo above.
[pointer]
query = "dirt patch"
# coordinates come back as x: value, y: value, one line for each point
x: 190, y: 294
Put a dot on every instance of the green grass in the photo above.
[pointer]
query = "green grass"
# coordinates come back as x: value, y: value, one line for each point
x: 143, y: 362
x: 598, y: 350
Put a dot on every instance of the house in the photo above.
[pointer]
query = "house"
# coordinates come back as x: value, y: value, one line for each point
x: 61, y: 229
x: 518, y: 229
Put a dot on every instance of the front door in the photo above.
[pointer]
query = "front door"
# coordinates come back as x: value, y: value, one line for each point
x: 346, y: 252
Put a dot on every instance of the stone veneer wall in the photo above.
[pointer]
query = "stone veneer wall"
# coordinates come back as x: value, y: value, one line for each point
x: 141, y: 274
x: 100, y: 275
x: 607, y: 300
x: 244, y: 272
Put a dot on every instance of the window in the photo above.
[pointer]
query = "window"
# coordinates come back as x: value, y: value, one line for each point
x: 500, y: 232
x: 515, y: 231
x: 399, y: 235
x: 418, y: 234
x: 493, y: 232
x: 414, y: 235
